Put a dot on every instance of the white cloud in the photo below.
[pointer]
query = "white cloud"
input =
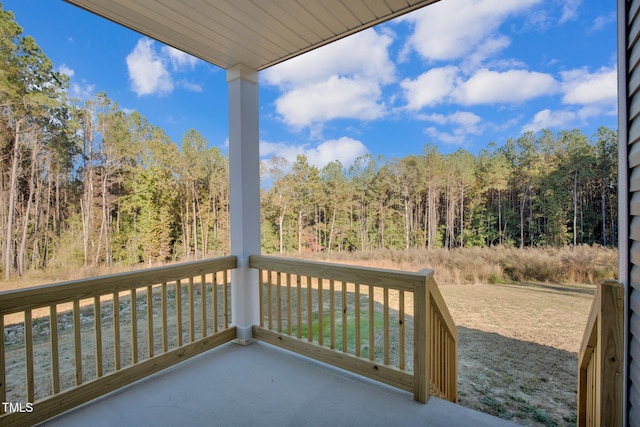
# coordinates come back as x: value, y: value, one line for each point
x: 66, y: 70
x: 602, y: 21
x: 150, y: 69
x: 581, y: 87
x: 147, y: 70
x: 462, y: 123
x: 179, y: 60
x: 489, y: 87
x: 464, y: 118
x: 469, y: 120
x: 190, y: 86
x: 280, y: 149
x: 454, y: 29
x: 344, y: 149
x: 590, y: 111
x: 445, y: 85
x: 547, y: 119
x: 430, y: 88
x: 440, y: 119
x: 338, y: 97
x: 457, y: 137
x: 341, y: 80
x: 587, y: 95
x: 487, y: 49
x: 569, y: 10
x: 365, y: 54
x: 81, y: 90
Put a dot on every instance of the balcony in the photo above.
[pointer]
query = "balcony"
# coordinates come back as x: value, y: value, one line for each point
x: 335, y: 343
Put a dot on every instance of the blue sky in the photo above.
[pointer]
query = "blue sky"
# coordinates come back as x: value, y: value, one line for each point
x: 457, y: 74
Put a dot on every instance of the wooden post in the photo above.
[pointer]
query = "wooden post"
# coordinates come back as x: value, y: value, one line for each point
x: 611, y: 341
x: 421, y: 338
x: 600, y: 363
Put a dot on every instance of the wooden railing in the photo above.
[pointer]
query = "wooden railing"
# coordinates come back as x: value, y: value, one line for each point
x: 65, y: 344
x: 600, y: 361
x: 388, y: 325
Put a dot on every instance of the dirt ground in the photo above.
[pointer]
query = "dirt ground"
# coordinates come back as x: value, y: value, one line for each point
x: 518, y: 348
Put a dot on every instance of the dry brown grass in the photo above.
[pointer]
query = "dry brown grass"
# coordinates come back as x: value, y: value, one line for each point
x: 582, y: 264
x: 518, y: 348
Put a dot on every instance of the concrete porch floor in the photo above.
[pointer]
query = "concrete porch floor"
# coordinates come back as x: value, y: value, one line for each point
x: 261, y: 385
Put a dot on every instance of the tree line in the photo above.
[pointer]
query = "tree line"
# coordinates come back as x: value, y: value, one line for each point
x: 538, y: 189
x: 84, y: 184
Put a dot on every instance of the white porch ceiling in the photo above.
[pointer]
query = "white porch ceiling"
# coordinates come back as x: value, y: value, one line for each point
x: 256, y: 33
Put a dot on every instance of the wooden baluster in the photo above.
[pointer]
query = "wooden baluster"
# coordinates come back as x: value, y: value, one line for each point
x: 165, y: 322
x: 320, y: 313
x: 116, y: 331
x: 3, y: 365
x: 401, y: 349
x: 214, y: 299
x: 358, y: 313
x: 55, y: 360
x: 150, y: 321
x: 299, y: 305
x: 332, y: 310
x: 289, y: 304
x: 225, y: 299
x: 309, y: 310
x: 372, y: 336
x: 179, y: 312
x: 387, y: 339
x: 77, y: 343
x: 97, y: 322
x: 28, y: 348
x: 345, y: 339
x: 261, y: 286
x: 279, y: 301
x: 269, y: 299
x: 203, y: 289
x: 134, y: 326
x: 192, y: 321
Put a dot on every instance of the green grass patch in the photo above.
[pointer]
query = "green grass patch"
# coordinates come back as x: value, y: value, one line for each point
x: 378, y: 325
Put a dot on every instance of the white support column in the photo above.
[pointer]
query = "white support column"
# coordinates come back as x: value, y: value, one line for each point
x: 244, y: 184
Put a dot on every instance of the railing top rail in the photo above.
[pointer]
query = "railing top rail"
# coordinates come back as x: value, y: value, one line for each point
x: 589, y: 334
x: 384, y: 278
x: 39, y: 296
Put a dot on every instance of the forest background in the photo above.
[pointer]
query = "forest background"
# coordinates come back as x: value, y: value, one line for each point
x: 85, y: 185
